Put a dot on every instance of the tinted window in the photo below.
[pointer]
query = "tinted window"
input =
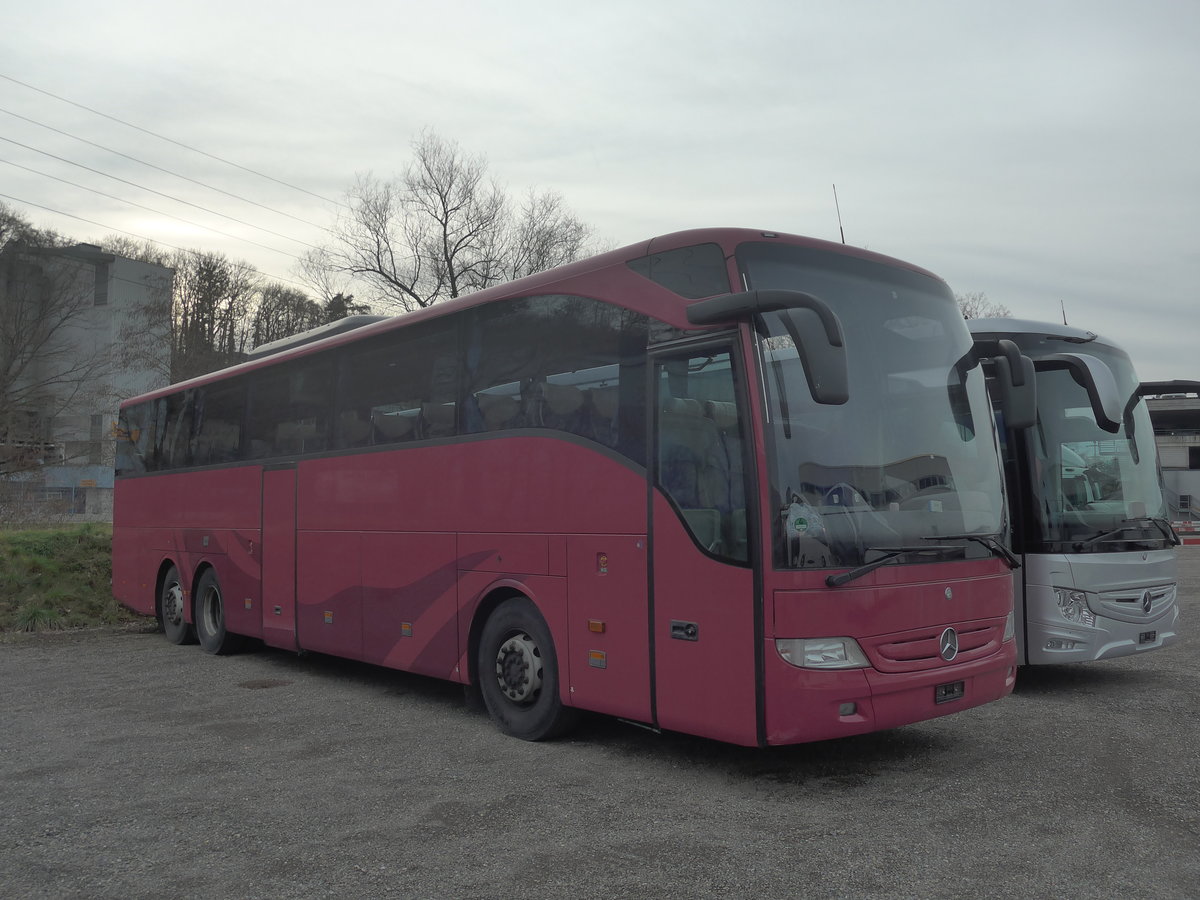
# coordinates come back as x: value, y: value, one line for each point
x: 173, y: 431
x: 691, y: 272
x: 565, y: 363
x: 290, y: 409
x: 398, y: 388
x: 217, y: 423
x: 135, y: 439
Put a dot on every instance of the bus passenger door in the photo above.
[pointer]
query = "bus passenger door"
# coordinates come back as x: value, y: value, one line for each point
x: 279, y: 556
x: 706, y: 616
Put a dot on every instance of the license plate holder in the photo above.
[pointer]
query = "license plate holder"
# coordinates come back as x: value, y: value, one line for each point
x: 949, y: 692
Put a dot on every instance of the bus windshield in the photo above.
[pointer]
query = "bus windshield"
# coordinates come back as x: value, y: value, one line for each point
x: 911, y: 460
x: 1093, y: 490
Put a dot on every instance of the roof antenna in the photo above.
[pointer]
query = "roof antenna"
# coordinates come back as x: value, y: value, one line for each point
x: 1063, y: 307
x: 839, y: 214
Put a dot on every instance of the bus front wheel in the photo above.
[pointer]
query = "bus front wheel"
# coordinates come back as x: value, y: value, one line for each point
x: 171, y: 604
x: 518, y: 673
x: 210, y: 617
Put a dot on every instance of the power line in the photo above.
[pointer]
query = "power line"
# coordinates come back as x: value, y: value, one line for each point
x: 153, y: 166
x: 140, y: 237
x: 169, y: 140
x: 142, y: 187
x: 157, y: 212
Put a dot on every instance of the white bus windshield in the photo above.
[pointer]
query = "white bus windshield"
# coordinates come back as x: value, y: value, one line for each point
x: 1093, y: 490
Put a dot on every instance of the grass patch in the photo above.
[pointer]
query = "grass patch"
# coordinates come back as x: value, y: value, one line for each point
x: 58, y: 578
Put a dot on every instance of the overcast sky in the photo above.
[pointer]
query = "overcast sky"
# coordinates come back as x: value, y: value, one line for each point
x: 1043, y: 153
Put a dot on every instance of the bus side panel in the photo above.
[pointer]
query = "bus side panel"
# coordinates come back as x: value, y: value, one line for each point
x: 329, y: 609
x: 278, y: 556
x: 240, y: 576
x: 608, y: 646
x: 704, y: 640
x: 171, y: 516
x: 410, y: 603
x: 134, y: 568
x: 233, y: 556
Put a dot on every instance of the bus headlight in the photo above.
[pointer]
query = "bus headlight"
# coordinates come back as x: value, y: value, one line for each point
x: 822, y: 653
x: 1073, y: 606
x: 1010, y: 627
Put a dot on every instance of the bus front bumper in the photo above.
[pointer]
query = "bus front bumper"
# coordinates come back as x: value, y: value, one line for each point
x: 813, y: 705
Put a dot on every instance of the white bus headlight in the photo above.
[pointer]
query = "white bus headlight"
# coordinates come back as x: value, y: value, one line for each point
x: 1073, y: 606
x: 822, y: 653
x: 1010, y: 627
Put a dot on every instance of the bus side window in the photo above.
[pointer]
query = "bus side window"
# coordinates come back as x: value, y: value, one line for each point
x: 290, y: 410
x: 398, y: 388
x: 558, y: 362
x: 172, y: 448
x: 135, y: 439
x: 220, y: 410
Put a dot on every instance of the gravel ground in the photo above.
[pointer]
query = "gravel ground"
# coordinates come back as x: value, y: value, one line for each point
x: 133, y: 768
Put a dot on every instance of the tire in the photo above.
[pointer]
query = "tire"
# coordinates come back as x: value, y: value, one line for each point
x: 518, y: 673
x: 171, y: 603
x: 210, y: 617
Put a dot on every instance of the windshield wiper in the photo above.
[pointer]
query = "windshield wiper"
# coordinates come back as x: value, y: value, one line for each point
x: 1163, y: 526
x: 1168, y: 531
x: 891, y: 554
x: 987, y: 540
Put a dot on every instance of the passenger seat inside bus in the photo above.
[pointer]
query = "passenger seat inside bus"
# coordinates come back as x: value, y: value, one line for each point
x: 437, y: 420
x: 392, y: 428
x: 352, y: 430
x: 561, y: 407
x: 499, y: 411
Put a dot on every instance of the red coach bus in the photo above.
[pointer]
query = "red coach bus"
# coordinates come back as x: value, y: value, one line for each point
x: 732, y: 483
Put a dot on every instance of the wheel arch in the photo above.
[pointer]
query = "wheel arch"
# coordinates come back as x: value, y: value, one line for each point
x: 491, y: 598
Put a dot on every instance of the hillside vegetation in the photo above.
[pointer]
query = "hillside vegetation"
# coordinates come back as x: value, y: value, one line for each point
x: 58, y: 578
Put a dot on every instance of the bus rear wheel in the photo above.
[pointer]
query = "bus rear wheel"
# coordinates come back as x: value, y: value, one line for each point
x: 210, y: 617
x: 171, y: 604
x: 518, y: 673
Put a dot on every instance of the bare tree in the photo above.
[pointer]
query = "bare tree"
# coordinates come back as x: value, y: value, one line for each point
x: 281, y: 312
x: 212, y: 302
x: 976, y: 305
x: 317, y: 270
x: 443, y: 228
x: 545, y: 235
x: 221, y: 309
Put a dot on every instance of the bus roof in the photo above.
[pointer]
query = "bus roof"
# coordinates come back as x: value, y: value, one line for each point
x: 620, y: 285
x: 1067, y: 333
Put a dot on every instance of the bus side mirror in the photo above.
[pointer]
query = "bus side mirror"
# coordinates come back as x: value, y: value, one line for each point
x: 1015, y: 391
x: 1010, y: 381
x: 821, y: 350
x: 1097, y: 379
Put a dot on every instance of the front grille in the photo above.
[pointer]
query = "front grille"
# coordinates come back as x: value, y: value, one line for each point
x: 1129, y: 604
x: 914, y: 651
